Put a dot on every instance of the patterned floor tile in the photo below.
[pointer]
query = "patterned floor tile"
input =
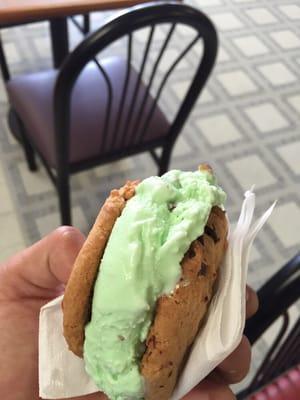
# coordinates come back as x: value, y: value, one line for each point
x: 3, y: 95
x: 114, y: 168
x: 8, y: 251
x: 292, y: 11
x: 49, y: 222
x: 42, y: 45
x: 14, y: 56
x: 237, y: 83
x: 285, y: 223
x: 169, y: 57
x: 10, y: 231
x: 295, y: 102
x: 261, y: 16
x: 183, y: 30
x: 251, y: 170
x: 286, y: 39
x: 277, y: 74
x: 35, y: 183
x: 180, y: 88
x: 290, y: 154
x: 209, y: 3
x: 223, y: 56
x: 206, y: 97
x: 251, y: 46
x: 182, y: 147
x: 6, y: 204
x: 218, y: 129
x: 266, y: 117
x: 227, y: 21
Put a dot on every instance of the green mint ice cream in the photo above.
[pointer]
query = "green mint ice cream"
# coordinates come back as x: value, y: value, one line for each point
x: 140, y: 263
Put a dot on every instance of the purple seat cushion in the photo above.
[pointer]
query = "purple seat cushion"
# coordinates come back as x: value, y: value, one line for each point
x: 31, y: 96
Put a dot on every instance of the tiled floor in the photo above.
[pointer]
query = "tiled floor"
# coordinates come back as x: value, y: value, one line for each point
x: 248, y: 114
x: 246, y: 124
x: 10, y: 231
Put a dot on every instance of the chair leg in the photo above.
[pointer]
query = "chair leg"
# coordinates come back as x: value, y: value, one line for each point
x: 19, y: 131
x: 63, y: 189
x: 29, y: 154
x: 164, y: 160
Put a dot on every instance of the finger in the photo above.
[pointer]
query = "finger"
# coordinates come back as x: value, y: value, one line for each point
x: 236, y: 366
x: 44, y: 267
x: 209, y: 390
x: 251, y: 302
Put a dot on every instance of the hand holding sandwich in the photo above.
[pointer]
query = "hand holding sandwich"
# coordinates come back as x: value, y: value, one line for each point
x: 38, y: 274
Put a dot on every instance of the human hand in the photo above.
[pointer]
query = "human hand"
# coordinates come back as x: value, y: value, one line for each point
x: 232, y: 370
x: 38, y: 274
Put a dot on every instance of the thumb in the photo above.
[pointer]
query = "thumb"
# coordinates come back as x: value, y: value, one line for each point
x: 43, y: 269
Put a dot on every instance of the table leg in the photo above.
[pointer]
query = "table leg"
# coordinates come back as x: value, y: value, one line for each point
x: 59, y: 40
x: 3, y: 63
x: 86, y: 23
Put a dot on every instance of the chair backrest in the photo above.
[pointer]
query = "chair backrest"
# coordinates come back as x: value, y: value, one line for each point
x: 275, y: 299
x: 150, y: 16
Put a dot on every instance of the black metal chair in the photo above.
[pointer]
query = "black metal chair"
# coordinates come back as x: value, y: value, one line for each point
x: 275, y: 298
x: 90, y: 113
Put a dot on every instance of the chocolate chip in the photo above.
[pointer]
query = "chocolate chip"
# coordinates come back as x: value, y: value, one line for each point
x: 201, y: 239
x: 191, y: 253
x: 171, y: 206
x: 212, y: 233
x: 206, y: 299
x: 152, y: 341
x: 203, y: 269
x: 170, y: 374
x: 161, y: 386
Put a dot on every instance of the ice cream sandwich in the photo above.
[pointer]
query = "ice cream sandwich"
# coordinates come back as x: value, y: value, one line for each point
x: 143, y: 280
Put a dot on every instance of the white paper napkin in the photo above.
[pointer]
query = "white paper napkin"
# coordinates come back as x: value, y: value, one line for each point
x: 62, y: 374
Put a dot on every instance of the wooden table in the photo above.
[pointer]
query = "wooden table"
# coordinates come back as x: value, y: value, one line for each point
x: 18, y: 12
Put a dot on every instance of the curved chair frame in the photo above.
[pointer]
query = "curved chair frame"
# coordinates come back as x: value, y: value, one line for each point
x: 139, y: 17
x: 276, y: 296
x: 128, y: 129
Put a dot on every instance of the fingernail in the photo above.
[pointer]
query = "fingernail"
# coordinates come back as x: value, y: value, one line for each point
x: 247, y: 294
x: 232, y: 372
